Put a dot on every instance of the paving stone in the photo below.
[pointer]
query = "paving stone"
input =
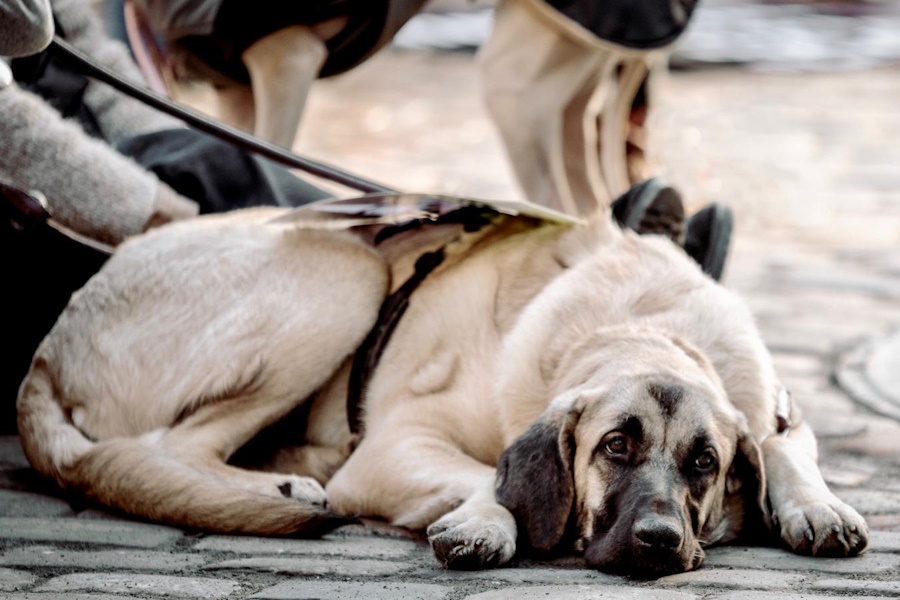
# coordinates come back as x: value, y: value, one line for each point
x: 845, y: 586
x: 524, y: 575
x: 748, y: 595
x: 116, y: 533
x: 579, y: 592
x: 883, y: 522
x: 11, y: 453
x: 136, y: 560
x: 844, y: 477
x: 128, y: 583
x: 337, y: 590
x: 11, y: 580
x: 881, y: 443
x: 102, y: 515
x: 26, y: 504
x: 870, y: 502
x: 66, y: 596
x: 734, y: 579
x: 790, y: 366
x: 884, y: 541
x: 314, y: 566
x: 780, y: 560
x: 356, y: 547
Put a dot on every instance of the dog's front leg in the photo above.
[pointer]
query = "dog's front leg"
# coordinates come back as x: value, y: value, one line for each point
x: 479, y: 533
x: 811, y: 519
x: 422, y: 481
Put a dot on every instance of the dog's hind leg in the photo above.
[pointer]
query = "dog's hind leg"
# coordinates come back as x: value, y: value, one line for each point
x: 302, y: 353
x: 422, y: 481
x: 810, y: 518
x: 144, y: 419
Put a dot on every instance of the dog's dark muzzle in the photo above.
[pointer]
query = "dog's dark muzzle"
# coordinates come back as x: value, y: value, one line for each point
x: 654, y: 542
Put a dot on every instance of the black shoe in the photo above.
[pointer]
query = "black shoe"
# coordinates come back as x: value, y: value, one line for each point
x: 708, y: 237
x: 650, y: 207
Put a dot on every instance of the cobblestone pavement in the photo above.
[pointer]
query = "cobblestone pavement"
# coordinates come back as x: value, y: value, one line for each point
x: 810, y: 165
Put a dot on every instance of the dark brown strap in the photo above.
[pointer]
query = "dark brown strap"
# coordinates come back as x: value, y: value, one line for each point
x: 366, y: 358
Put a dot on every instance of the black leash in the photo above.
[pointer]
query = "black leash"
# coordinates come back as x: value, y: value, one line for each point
x: 91, y: 68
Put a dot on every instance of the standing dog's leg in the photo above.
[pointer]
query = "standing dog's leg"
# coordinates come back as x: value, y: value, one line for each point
x: 235, y: 106
x: 812, y: 519
x: 283, y: 66
x: 425, y: 481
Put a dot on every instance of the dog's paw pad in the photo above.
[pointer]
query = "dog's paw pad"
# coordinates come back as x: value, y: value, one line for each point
x: 304, y: 489
x: 472, y: 544
x: 829, y: 528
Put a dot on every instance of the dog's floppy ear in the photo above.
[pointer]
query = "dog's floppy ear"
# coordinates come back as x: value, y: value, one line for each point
x: 535, y: 481
x: 746, y: 478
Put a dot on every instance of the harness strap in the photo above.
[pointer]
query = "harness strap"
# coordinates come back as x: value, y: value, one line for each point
x: 473, y: 218
x: 367, y: 356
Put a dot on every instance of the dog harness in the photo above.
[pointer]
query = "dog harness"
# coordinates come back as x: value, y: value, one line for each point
x: 434, y: 226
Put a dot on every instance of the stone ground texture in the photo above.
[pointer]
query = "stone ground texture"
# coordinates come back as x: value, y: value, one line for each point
x: 810, y: 165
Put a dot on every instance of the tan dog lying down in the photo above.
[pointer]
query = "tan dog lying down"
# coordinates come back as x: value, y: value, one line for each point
x: 550, y: 386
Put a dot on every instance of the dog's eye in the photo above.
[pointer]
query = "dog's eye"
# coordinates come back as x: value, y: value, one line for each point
x: 705, y: 461
x: 617, y: 446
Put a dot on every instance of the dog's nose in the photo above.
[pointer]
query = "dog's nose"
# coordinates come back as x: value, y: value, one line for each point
x: 660, y: 533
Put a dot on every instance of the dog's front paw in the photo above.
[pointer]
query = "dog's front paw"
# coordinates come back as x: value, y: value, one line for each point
x: 304, y: 489
x: 475, y: 543
x: 822, y: 528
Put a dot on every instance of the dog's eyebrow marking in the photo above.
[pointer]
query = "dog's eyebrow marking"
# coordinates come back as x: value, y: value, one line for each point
x: 667, y: 396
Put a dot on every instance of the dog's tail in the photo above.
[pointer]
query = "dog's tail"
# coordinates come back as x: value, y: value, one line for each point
x: 137, y: 477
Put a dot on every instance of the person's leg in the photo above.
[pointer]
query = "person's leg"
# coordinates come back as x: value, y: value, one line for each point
x: 215, y: 174
x: 41, y: 268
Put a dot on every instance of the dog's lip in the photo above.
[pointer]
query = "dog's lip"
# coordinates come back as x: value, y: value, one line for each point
x: 642, y: 561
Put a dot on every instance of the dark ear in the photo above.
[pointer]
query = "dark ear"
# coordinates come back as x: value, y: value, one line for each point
x: 535, y: 481
x: 747, y: 478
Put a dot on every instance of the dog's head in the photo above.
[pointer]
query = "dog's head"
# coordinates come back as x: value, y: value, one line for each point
x: 640, y: 459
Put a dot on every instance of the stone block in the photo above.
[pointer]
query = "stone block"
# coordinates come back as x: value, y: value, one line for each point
x: 298, y: 589
x: 114, y: 533
x: 780, y: 560
x: 734, y: 579
x: 580, y: 592
x: 520, y: 575
x: 140, y: 584
x: 314, y: 566
x: 352, y: 547
x: 133, y: 560
x: 11, y: 580
x: 884, y: 541
x: 858, y: 586
x: 26, y: 504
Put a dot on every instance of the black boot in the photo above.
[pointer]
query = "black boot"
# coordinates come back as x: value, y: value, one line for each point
x: 651, y: 207
x: 708, y: 237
